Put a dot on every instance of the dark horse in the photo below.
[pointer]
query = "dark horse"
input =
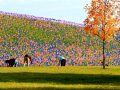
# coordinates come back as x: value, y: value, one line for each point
x: 27, y: 60
x: 10, y: 62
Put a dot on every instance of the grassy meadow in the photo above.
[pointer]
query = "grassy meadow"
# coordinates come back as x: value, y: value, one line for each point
x: 60, y: 78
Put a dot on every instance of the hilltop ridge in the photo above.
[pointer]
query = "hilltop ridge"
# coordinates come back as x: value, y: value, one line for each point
x: 42, y: 18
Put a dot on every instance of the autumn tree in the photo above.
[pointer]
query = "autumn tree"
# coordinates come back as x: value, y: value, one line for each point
x: 102, y: 21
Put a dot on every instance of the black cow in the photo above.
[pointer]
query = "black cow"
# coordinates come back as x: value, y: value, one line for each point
x: 10, y: 62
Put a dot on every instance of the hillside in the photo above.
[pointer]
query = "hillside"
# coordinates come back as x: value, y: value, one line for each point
x: 45, y: 39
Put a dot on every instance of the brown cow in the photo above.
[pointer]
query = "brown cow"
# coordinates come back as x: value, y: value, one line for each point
x: 27, y: 60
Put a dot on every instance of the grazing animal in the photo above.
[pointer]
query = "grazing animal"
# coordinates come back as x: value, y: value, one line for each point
x: 11, y: 62
x: 27, y: 60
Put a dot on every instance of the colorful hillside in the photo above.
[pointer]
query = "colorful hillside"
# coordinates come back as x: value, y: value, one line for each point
x: 46, y: 38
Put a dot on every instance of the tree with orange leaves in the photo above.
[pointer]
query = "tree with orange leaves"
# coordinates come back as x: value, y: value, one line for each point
x: 102, y: 20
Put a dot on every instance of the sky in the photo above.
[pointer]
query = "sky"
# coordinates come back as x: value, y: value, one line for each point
x: 69, y: 10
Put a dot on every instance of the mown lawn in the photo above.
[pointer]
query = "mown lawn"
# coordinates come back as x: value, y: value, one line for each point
x: 60, y: 78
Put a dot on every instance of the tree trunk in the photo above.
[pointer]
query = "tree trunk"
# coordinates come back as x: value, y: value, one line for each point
x: 103, y: 54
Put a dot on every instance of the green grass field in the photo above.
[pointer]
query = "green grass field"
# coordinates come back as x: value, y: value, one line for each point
x: 60, y: 78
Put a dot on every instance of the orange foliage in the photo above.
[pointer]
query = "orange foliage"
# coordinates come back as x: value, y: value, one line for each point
x: 1, y: 39
x: 101, y: 20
